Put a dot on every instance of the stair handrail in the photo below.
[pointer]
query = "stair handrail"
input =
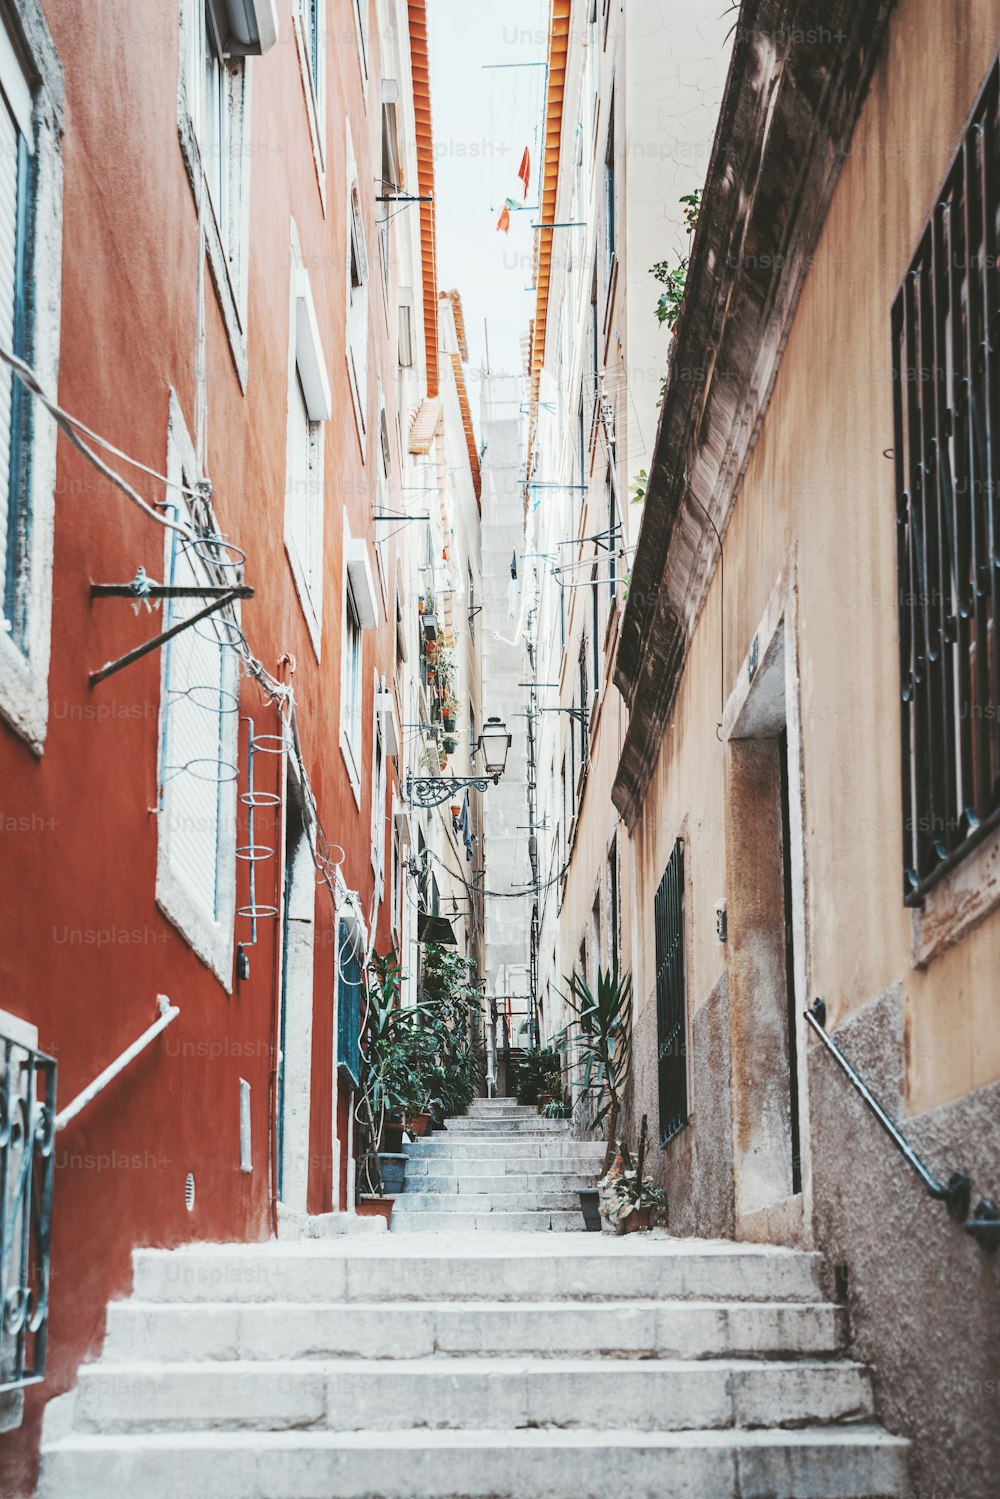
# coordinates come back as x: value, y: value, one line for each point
x: 956, y: 1194
x: 168, y: 1013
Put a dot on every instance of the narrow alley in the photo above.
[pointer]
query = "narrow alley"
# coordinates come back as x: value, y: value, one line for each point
x: 500, y: 749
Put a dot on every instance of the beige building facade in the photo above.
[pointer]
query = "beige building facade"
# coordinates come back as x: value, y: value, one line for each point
x: 808, y: 652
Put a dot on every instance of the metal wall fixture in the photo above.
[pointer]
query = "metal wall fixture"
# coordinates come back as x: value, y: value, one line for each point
x: 432, y: 791
x: 956, y: 1193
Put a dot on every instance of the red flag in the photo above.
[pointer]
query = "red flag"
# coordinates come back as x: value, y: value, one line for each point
x: 503, y: 222
x: 524, y: 170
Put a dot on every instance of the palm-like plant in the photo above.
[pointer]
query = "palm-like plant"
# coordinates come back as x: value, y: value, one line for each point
x: 601, y: 1027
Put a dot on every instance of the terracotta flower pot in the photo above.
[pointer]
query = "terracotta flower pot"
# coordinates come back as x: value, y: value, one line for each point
x: 640, y: 1220
x: 419, y: 1125
x: 375, y: 1207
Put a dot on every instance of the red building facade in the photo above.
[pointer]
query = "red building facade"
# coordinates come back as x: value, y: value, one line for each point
x: 202, y: 270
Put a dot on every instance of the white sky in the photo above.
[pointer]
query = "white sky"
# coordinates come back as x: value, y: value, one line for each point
x: 483, y: 119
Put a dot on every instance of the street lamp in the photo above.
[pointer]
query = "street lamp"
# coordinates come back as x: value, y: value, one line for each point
x: 431, y: 791
x: 494, y: 741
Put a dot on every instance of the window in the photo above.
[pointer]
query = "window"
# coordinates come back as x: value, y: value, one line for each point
x: 310, y: 18
x: 30, y: 286
x: 946, y: 368
x: 349, y: 993
x: 584, y: 674
x: 382, y: 469
x: 473, y: 611
x: 614, y: 908
x: 196, y: 823
x: 357, y: 303
x: 361, y: 27
x: 613, y: 539
x: 392, y: 171
x: 671, y: 1000
x: 609, y: 198
x: 309, y: 409
x: 309, y: 25
x: 360, y: 613
x: 351, y: 695
x: 378, y: 791
x: 213, y: 126
x: 596, y: 633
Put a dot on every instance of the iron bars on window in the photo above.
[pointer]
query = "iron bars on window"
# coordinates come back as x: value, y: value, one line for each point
x: 945, y: 336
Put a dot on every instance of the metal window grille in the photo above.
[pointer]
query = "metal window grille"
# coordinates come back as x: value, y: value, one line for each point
x: 27, y: 1130
x: 945, y: 336
x: 349, y: 1004
x: 671, y: 1002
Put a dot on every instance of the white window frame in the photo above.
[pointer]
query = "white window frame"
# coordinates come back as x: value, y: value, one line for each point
x: 383, y: 469
x: 209, y: 933
x: 313, y: 87
x: 359, y: 614
x: 24, y: 665
x: 362, y: 29
x: 307, y: 366
x: 226, y: 225
x: 379, y: 784
x: 357, y: 316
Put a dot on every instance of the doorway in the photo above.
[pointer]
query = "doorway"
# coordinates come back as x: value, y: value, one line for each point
x: 763, y: 881
x: 293, y: 1068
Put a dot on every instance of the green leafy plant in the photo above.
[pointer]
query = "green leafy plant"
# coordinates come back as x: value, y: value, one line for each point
x: 556, y: 1109
x: 634, y: 1188
x: 637, y: 489
x: 537, y: 1073
x: 672, y: 274
x: 600, y: 1032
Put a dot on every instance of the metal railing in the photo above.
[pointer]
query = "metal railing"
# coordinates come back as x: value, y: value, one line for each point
x: 168, y: 1014
x: 27, y: 1133
x: 956, y: 1193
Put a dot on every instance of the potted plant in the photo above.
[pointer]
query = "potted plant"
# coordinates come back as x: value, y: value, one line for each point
x: 538, y: 1076
x: 601, y: 1027
x: 371, y: 1206
x: 634, y: 1203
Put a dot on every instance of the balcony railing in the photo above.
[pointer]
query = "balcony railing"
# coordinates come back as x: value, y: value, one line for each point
x: 27, y: 1133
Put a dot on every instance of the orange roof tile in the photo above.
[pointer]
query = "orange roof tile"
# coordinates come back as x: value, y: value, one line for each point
x: 425, y: 180
x: 558, y: 48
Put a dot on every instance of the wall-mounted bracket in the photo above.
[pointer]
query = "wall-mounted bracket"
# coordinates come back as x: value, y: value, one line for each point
x: 218, y: 597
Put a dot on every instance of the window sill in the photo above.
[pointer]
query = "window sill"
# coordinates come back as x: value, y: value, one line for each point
x: 24, y: 690
x: 309, y: 613
x: 233, y: 315
x: 210, y: 939
x: 958, y: 902
x: 350, y: 761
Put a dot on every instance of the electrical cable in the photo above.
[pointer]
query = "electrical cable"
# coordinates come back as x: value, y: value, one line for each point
x: 71, y: 426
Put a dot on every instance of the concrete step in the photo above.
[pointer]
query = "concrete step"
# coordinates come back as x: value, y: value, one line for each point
x: 535, y: 1167
x: 500, y: 1183
x: 530, y: 1219
x: 407, y: 1330
x: 524, y: 1201
x: 596, y: 1267
x: 561, y: 1147
x: 508, y: 1125
x: 470, y: 1394
x: 854, y: 1462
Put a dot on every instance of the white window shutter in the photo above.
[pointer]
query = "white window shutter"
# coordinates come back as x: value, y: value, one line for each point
x: 198, y: 674
x: 8, y: 293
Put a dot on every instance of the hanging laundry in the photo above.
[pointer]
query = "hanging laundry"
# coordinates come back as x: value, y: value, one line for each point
x: 465, y: 830
x: 503, y: 222
x: 524, y: 171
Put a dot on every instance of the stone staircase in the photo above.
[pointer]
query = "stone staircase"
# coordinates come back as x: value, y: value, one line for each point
x: 501, y: 1167
x: 475, y: 1366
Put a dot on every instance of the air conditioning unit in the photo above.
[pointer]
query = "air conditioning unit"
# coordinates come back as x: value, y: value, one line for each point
x: 245, y: 28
